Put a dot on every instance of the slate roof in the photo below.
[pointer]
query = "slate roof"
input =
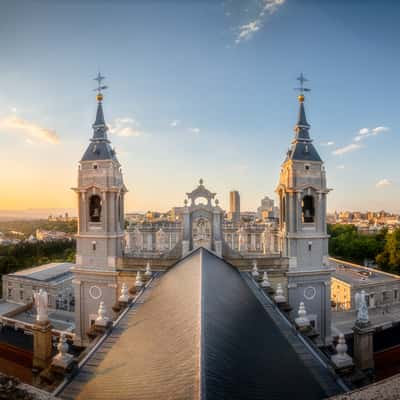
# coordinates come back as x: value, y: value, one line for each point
x: 201, y: 334
x: 99, y: 147
x: 302, y: 148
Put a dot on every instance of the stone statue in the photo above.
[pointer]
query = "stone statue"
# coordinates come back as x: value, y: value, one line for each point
x: 41, y: 303
x: 362, y: 309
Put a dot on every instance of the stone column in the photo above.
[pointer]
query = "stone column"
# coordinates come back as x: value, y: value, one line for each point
x: 363, y: 347
x: 42, y: 345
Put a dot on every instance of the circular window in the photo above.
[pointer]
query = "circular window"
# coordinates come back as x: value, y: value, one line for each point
x: 309, y: 293
x: 95, y: 292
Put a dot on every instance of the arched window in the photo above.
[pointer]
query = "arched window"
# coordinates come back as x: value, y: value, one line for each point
x: 308, y: 209
x: 95, y: 208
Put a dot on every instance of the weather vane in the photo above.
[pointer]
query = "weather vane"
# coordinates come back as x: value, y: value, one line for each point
x: 302, y: 79
x: 99, y: 78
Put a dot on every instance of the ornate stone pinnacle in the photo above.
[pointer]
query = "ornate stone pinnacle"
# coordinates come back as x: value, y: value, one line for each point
x: 138, y: 282
x: 279, y: 296
x: 148, y: 271
x: 124, y: 298
x: 101, y: 319
x: 265, y: 282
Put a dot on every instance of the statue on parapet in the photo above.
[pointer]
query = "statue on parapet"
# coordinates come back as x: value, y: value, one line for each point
x: 362, y: 309
x: 41, y: 303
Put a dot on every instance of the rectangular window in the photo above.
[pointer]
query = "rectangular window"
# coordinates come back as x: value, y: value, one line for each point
x: 396, y: 295
x: 9, y: 292
x: 386, y: 298
x: 21, y: 294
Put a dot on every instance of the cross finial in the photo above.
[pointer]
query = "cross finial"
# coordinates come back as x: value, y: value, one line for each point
x: 99, y: 78
x: 302, y: 79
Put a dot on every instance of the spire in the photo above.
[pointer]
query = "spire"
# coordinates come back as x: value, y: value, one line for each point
x: 99, y: 147
x: 302, y: 147
x: 302, y: 127
x: 99, y: 126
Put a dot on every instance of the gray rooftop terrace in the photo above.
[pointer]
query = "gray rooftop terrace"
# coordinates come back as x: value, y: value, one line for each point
x: 46, y: 273
x: 357, y: 275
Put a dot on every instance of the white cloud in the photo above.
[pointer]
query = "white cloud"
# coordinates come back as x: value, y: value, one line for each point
x: 246, y: 31
x: 363, y: 133
x: 174, y: 123
x: 327, y: 143
x: 194, y: 130
x: 384, y: 182
x: 340, y: 167
x: 33, y: 132
x: 380, y: 129
x: 126, y: 127
x: 346, y: 149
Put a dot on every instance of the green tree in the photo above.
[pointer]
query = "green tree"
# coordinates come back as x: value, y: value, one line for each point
x: 389, y: 258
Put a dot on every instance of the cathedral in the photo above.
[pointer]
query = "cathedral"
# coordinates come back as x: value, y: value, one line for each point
x: 293, y: 252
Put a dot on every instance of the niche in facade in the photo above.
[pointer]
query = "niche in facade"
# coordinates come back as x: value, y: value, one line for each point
x: 308, y: 209
x: 95, y: 208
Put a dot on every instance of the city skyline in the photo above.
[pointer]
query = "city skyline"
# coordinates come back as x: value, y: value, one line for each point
x: 176, y: 116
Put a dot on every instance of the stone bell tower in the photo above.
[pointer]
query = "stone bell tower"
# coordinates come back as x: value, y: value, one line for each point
x: 100, y: 238
x: 302, y: 194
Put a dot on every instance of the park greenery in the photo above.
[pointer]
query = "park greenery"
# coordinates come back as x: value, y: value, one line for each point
x: 15, y: 257
x: 25, y: 254
x: 28, y: 227
x: 383, y: 247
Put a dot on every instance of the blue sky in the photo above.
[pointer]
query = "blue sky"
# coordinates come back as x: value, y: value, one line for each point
x: 199, y: 89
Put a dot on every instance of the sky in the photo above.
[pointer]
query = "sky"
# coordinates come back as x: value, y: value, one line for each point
x: 199, y: 89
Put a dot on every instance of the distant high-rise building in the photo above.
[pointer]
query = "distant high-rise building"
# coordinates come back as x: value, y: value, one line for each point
x: 267, y: 210
x: 234, y: 206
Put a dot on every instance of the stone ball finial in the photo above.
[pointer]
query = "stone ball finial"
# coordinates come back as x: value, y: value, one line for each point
x: 254, y: 271
x: 201, y: 181
x: 138, y: 282
x: 62, y: 358
x: 101, y: 319
x: 341, y: 359
x: 265, y: 282
x: 185, y: 202
x: 341, y: 347
x: 148, y: 271
x: 279, y: 296
x: 124, y: 298
x: 62, y: 346
x: 216, y: 202
x: 302, y: 319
